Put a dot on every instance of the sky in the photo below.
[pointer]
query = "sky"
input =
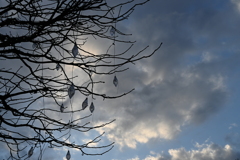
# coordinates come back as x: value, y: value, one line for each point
x: 186, y: 99
x: 186, y: 103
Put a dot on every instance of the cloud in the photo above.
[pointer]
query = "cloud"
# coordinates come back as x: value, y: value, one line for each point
x: 236, y: 3
x: 159, y: 107
x: 210, y: 151
x: 232, y: 125
x: 233, y: 139
x: 184, y: 83
x: 136, y: 158
x: 150, y: 157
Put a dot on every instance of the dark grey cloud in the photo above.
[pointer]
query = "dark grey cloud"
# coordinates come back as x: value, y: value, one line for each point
x: 185, y: 82
x: 161, y: 107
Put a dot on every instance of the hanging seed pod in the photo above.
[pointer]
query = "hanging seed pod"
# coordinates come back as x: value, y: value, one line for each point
x: 115, y: 81
x: 57, y: 67
x: 91, y: 107
x: 71, y: 91
x: 68, y: 156
x: 85, y: 103
x: 30, y: 152
x: 112, y: 31
x: 62, y: 108
x: 75, y: 50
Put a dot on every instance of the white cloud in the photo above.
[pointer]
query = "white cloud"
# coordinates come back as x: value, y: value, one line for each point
x: 203, y: 152
x: 211, y: 152
x: 150, y: 157
x: 232, y: 125
x: 136, y: 158
x: 207, y: 57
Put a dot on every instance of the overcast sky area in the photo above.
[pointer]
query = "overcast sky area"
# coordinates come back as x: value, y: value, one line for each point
x: 185, y: 105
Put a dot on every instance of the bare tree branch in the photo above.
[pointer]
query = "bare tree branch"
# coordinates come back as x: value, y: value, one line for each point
x: 40, y: 37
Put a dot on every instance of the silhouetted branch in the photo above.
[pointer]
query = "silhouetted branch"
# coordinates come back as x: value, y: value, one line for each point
x: 39, y: 49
